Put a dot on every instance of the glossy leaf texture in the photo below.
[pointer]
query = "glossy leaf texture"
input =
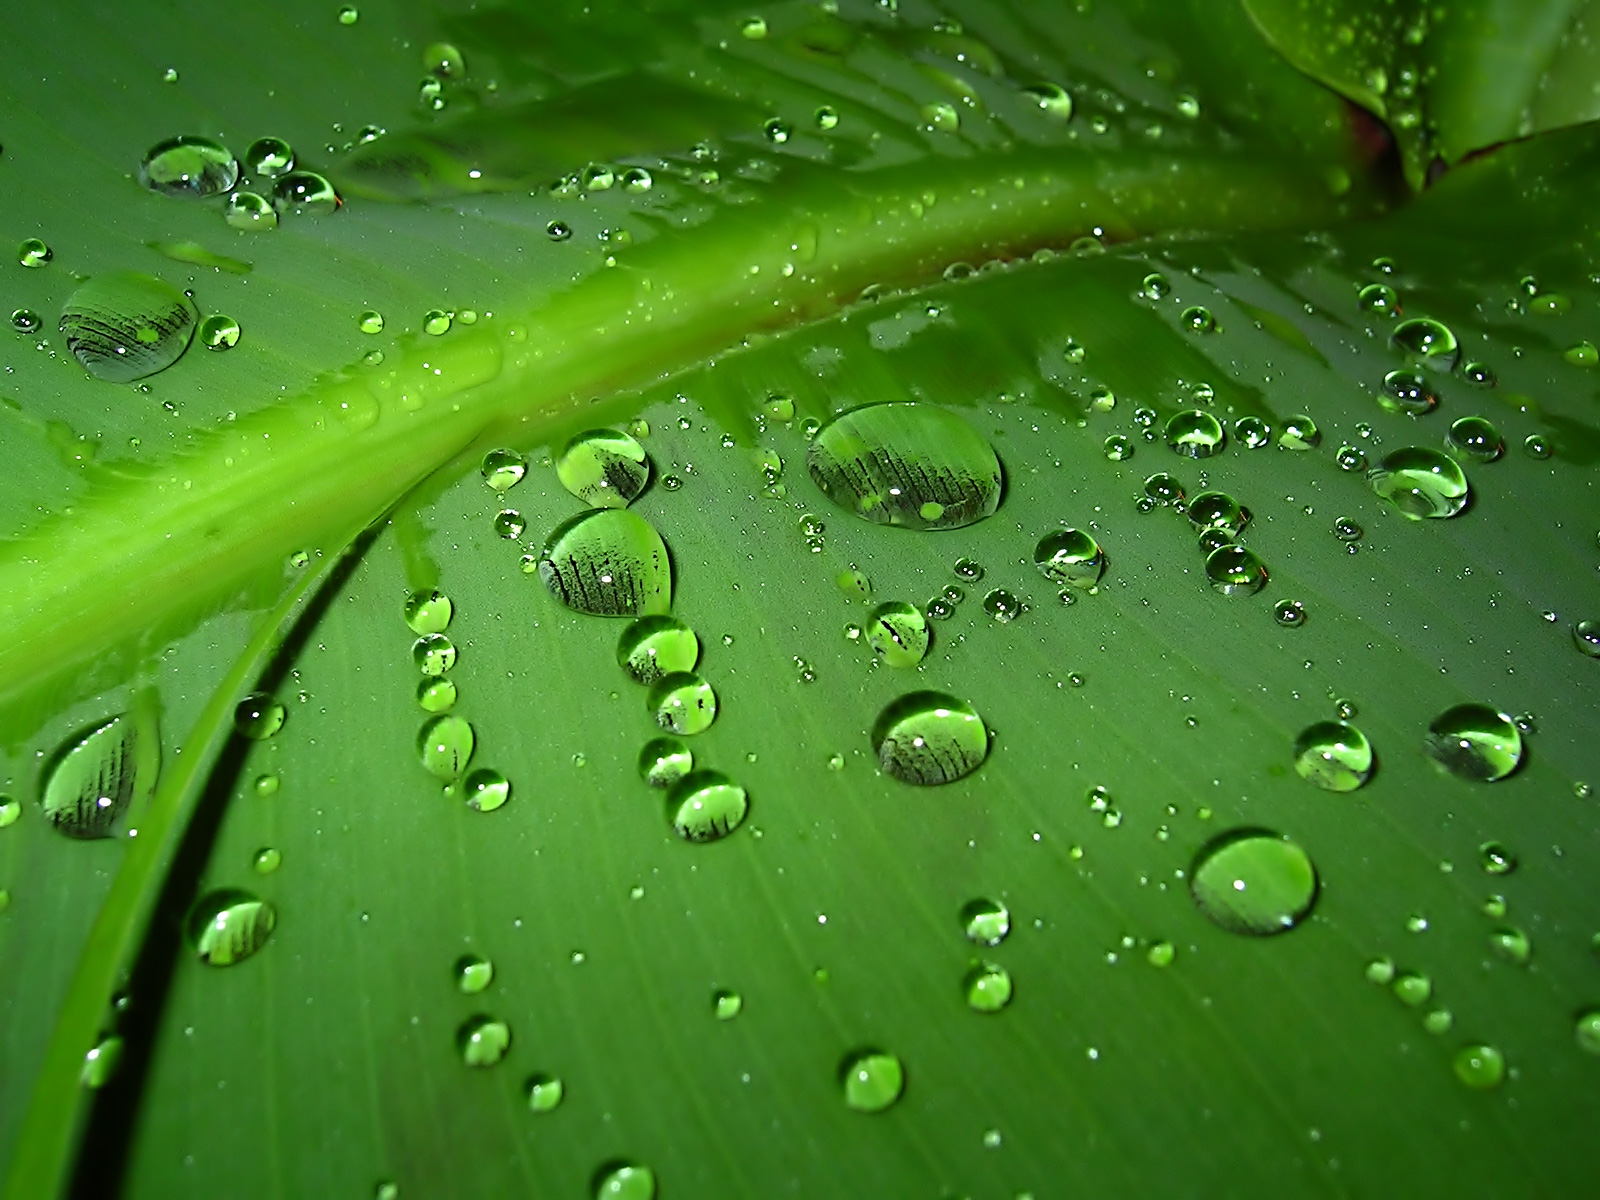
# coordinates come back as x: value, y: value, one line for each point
x: 492, y: 958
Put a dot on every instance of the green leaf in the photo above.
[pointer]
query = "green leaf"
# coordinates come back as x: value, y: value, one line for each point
x: 1448, y: 80
x: 982, y: 917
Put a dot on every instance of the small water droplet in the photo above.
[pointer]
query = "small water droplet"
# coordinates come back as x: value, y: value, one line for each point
x: 1428, y: 342
x: 267, y: 860
x: 1333, y: 755
x: 1118, y: 448
x: 1253, y: 433
x: 472, y: 973
x: 664, y: 761
x: 305, y: 192
x: 218, y: 332
x: 705, y: 806
x: 624, y: 1181
x: 872, y: 1080
x: 349, y: 15
x: 928, y: 738
x: 1587, y: 1031
x: 433, y: 654
x: 258, y: 716
x: 250, y: 212
x: 1479, y: 1066
x: 445, y: 745
x: 34, y: 253
x: 1219, y: 511
x: 269, y: 157
x: 987, y: 988
x: 985, y: 921
x: 941, y: 115
x: 682, y: 703
x: 1477, y: 438
x: 229, y: 925
x: 543, y: 1092
x: 1198, y: 319
x: 1155, y: 286
x: 1055, y: 100
x: 189, y: 166
x: 1071, y: 557
x: 1235, y: 571
x: 1379, y: 299
x: 1299, y: 433
x: 1195, y: 434
x: 1406, y: 391
x: 1252, y: 881
x: 482, y: 1041
x: 101, y: 1062
x: 1586, y: 637
x: 1412, y: 988
x: 486, y: 789
x: 899, y: 633
x: 10, y: 810
x: 124, y: 326
x: 1474, y: 741
x: 654, y: 646
x: 1512, y: 945
x: 726, y: 1004
x: 605, y: 468
x: 25, y: 320
x: 267, y: 785
x: 444, y: 61
x: 1003, y: 606
x: 508, y: 523
x: 1581, y: 354
x: 1536, y: 446
x: 428, y: 611
x: 1289, y: 613
x: 1496, y: 858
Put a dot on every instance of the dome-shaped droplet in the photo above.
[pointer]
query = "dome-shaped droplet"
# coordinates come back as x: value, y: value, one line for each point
x: 269, y: 157
x: 706, y: 805
x: 624, y: 1181
x: 1195, y: 434
x: 929, y: 738
x: 664, y: 761
x: 985, y: 921
x: 1253, y: 433
x: 898, y: 632
x: 472, y: 973
x: 250, y: 211
x: 1474, y: 741
x: 445, y: 745
x: 1235, y: 571
x: 90, y: 780
x: 1254, y: 882
x: 219, y: 332
x: 1291, y: 614
x: 1198, y: 319
x: 258, y: 716
x: 428, y: 611
x: 906, y: 463
x: 229, y: 925
x: 609, y: 562
x: 482, y: 1041
x: 1428, y: 342
x: 305, y: 192
x: 1054, y: 99
x: 987, y: 988
x: 1407, y: 391
x: 123, y: 325
x: 655, y: 646
x: 1299, y: 432
x: 1379, y: 299
x: 485, y: 789
x: 1586, y: 637
x: 1218, y: 510
x: 1002, y: 605
x: 433, y: 654
x: 544, y: 1092
x: 189, y: 166
x: 682, y: 703
x: 502, y: 469
x: 1477, y: 438
x: 1420, y: 482
x: 1333, y: 755
x: 1071, y: 557
x: 872, y: 1080
x: 1480, y: 1066
x: 605, y: 468
x: 33, y: 252
x: 1155, y: 286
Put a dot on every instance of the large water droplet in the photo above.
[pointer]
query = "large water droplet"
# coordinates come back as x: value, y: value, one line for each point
x: 985, y: 921
x: 682, y: 703
x: 305, y: 192
x: 1420, y: 482
x: 1480, y: 1066
x: 608, y: 562
x: 1473, y: 741
x: 1218, y: 510
x: 704, y: 806
x: 929, y: 738
x: 258, y: 716
x: 229, y: 925
x: 655, y: 646
x: 1071, y: 557
x: 269, y: 157
x: 482, y: 1041
x: 189, y: 166
x: 123, y: 325
x: 899, y: 633
x: 664, y: 761
x: 1477, y: 438
x: 605, y: 468
x: 624, y: 1181
x: 1428, y: 342
x: 91, y: 779
x: 1333, y: 755
x: 1408, y: 392
x: 1253, y: 881
x: 428, y: 611
x: 486, y: 789
x: 445, y: 746
x: 1235, y: 571
x: 906, y: 463
x: 872, y: 1080
x: 1195, y: 434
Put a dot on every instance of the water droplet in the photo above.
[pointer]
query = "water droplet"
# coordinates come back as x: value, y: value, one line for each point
x: 1220, y: 511
x: 664, y: 761
x: 1473, y: 741
x: 501, y: 469
x: 34, y: 253
x: 624, y: 1181
x: 1055, y: 100
x: 1587, y: 1031
x: 1496, y: 858
x: 1195, y: 434
x: 899, y: 633
x: 267, y: 860
x: 1379, y: 299
x: 906, y: 463
x: 941, y: 115
x: 597, y: 177
x: 655, y: 646
x: 436, y: 322
x: 1235, y: 571
x: 776, y: 131
x: 872, y: 1080
x: 987, y: 988
x: 1254, y: 882
x: 1333, y: 755
x: 482, y: 1041
x: 544, y: 1092
x: 1550, y: 304
x: 25, y: 320
x: 218, y: 332
x: 485, y: 789
x: 269, y: 157
x: 1198, y: 319
x: 726, y: 1004
x: 1583, y: 354
x: 1586, y: 637
x: 1154, y: 286
x: 985, y: 921
x: 1289, y: 613
x: 1536, y: 446
x: 92, y: 778
x: 508, y: 523
x: 1163, y: 488
x: 250, y: 212
x: 10, y: 810
x: 305, y: 192
x: 258, y: 716
x: 682, y: 702
x: 1407, y: 392
x: 605, y: 468
x: 1252, y: 432
x: 267, y: 785
x: 1299, y: 433
x: 608, y: 562
x: 1118, y: 448
x: 123, y: 325
x: 1420, y: 482
x: 1380, y: 970
x: 1477, y: 438
x: 1072, y: 352
x: 189, y: 166
x: 704, y: 806
x: 1161, y: 954
x: 229, y: 925
x: 1479, y: 374
x: 1428, y: 342
x: 428, y: 611
x: 349, y: 15
x: 1512, y: 945
x: 929, y: 738
x: 444, y: 61
x: 101, y: 1062
x: 1002, y: 605
x: 371, y: 321
x: 1102, y: 399
x: 433, y: 654
x: 472, y: 973
x: 637, y: 180
x: 1480, y: 1066
x: 1412, y: 988
x: 1071, y: 557
x: 445, y: 745
x: 968, y: 569
x: 558, y: 231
